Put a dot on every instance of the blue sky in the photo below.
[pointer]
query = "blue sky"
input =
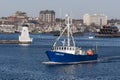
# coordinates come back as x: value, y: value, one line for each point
x: 74, y: 7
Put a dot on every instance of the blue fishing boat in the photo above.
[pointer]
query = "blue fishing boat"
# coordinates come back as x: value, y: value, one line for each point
x: 67, y: 52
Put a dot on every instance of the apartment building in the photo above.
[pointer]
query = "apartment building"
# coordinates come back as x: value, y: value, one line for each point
x: 47, y: 16
x: 97, y: 19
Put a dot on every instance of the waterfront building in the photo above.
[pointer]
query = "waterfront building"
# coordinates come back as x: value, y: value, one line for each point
x: 96, y: 19
x: 47, y: 16
x: 7, y: 28
x: 18, y: 17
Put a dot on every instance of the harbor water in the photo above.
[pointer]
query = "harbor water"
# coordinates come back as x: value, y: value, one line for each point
x: 24, y: 62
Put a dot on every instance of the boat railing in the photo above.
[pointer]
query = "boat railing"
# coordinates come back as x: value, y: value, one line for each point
x: 64, y: 48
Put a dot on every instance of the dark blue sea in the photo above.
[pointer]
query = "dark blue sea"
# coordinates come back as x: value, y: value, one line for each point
x: 24, y: 62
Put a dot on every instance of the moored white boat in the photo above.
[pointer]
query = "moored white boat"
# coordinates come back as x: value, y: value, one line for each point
x: 90, y: 37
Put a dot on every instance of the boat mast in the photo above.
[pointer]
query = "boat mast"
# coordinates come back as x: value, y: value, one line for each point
x: 68, y: 22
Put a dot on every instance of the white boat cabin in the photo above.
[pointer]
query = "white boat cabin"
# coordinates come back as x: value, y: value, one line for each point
x: 70, y: 50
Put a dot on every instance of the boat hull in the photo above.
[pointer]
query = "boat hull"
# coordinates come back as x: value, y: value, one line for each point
x: 63, y: 57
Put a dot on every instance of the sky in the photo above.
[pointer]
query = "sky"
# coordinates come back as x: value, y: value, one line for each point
x: 76, y: 8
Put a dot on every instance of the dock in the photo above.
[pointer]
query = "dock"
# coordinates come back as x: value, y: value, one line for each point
x: 117, y: 35
x: 9, y: 41
x: 12, y: 42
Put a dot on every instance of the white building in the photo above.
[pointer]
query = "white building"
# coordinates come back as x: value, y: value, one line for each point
x: 97, y: 19
x: 7, y: 28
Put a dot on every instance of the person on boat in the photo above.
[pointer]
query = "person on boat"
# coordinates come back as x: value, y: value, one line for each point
x: 90, y: 52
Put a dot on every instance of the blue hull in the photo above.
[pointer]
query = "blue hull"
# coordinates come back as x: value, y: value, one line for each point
x: 63, y: 57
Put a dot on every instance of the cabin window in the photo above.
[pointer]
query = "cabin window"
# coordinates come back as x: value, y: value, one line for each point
x: 59, y: 48
x: 64, y: 48
x: 72, y: 48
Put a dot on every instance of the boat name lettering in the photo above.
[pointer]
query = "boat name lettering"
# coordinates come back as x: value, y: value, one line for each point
x: 59, y: 54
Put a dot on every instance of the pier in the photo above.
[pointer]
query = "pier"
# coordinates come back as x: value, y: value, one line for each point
x: 12, y: 42
x: 9, y: 41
